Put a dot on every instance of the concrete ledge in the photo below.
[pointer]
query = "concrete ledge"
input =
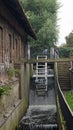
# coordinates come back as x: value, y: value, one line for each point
x: 8, y: 114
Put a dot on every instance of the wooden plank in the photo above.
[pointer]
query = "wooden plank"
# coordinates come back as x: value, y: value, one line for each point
x: 49, y: 60
x: 31, y: 61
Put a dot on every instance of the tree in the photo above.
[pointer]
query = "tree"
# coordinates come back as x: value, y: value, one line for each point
x: 42, y: 15
x: 69, y: 39
x: 65, y: 52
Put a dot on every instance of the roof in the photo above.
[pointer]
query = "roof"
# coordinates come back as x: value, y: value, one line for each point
x: 17, y: 11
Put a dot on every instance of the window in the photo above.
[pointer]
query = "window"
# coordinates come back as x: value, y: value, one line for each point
x: 13, y: 41
x: 1, y: 44
x: 10, y: 49
x: 16, y: 48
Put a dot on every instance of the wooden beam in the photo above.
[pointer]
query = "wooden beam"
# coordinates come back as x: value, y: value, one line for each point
x: 31, y: 61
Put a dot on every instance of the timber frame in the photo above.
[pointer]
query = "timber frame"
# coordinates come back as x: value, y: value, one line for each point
x: 31, y: 61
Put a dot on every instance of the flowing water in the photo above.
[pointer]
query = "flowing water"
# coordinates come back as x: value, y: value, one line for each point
x: 42, y: 111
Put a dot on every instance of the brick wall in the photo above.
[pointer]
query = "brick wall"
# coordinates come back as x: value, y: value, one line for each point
x: 13, y: 46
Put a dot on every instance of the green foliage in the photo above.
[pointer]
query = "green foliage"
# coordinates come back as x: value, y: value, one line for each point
x: 69, y: 40
x: 69, y: 98
x: 17, y: 72
x: 12, y: 72
x: 42, y: 15
x: 4, y: 90
x: 65, y: 52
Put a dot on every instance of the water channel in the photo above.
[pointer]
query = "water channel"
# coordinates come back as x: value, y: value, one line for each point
x: 42, y: 111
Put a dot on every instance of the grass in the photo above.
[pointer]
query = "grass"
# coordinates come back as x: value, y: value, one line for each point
x: 69, y: 98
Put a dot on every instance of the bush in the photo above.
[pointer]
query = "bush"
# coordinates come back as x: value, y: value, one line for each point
x: 13, y: 72
x: 10, y: 72
x: 4, y: 89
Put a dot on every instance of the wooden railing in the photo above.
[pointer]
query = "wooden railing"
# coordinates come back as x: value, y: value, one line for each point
x: 66, y: 111
x: 30, y: 61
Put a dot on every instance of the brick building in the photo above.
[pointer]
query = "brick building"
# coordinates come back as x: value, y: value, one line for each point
x: 14, y: 31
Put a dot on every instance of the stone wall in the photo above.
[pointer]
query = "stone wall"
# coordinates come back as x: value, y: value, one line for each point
x: 14, y: 105
x: 13, y: 40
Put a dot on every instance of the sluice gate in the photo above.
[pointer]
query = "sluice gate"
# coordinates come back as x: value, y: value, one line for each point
x: 42, y: 111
